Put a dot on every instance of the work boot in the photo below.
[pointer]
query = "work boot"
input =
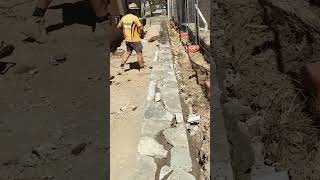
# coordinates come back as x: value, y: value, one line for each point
x: 35, y: 29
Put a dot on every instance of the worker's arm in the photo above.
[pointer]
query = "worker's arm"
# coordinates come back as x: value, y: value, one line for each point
x: 119, y: 26
x: 138, y: 23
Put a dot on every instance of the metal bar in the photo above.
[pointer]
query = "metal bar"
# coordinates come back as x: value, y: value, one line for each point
x: 202, y: 18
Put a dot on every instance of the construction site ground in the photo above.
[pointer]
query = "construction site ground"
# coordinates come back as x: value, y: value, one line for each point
x: 128, y: 93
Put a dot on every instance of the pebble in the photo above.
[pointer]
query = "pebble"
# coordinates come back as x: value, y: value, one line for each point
x: 134, y: 108
x: 193, y: 119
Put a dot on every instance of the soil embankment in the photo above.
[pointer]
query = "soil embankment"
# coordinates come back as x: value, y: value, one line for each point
x: 262, y: 46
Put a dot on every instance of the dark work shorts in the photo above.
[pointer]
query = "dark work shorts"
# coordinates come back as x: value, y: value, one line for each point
x: 136, y: 46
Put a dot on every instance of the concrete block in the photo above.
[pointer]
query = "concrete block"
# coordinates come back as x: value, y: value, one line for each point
x: 179, y: 118
x: 153, y: 128
x: 179, y: 174
x: 150, y: 147
x: 146, y: 169
x: 177, y: 136
x: 180, y: 158
x: 155, y: 111
x: 165, y: 170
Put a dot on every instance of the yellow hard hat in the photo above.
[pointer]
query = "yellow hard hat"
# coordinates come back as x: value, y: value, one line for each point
x: 133, y: 6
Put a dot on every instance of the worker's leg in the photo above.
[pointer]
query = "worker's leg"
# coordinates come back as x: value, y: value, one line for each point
x: 125, y: 58
x: 140, y: 59
x: 35, y: 25
x: 138, y: 48
x: 127, y: 54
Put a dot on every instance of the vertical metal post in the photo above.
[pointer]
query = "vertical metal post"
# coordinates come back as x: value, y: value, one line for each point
x: 197, y: 22
x: 169, y: 9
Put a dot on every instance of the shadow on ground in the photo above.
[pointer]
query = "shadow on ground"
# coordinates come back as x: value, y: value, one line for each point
x: 133, y: 65
x: 79, y: 12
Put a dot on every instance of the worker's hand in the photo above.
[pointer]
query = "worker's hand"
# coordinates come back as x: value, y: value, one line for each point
x: 142, y: 34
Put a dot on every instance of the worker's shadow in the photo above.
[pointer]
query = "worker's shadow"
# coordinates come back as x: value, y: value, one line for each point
x: 74, y: 13
x: 133, y: 65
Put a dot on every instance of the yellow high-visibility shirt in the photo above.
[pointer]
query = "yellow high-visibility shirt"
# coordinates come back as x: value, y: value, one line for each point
x: 131, y: 24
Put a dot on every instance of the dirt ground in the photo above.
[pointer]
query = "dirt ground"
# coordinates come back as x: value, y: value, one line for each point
x: 128, y: 93
x: 194, y: 100
x: 53, y: 118
x: 266, y: 43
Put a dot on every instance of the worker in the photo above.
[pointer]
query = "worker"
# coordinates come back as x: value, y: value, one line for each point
x: 35, y: 25
x: 132, y: 30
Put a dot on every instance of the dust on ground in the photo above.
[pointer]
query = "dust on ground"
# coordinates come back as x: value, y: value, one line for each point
x: 266, y: 43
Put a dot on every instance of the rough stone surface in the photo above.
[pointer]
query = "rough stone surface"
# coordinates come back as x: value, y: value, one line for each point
x: 150, y: 147
x: 156, y: 111
x: 162, y: 106
x: 157, y: 97
x: 153, y: 128
x: 165, y: 170
x: 147, y: 168
x: 181, y: 175
x: 179, y: 118
x: 176, y: 136
x: 180, y: 158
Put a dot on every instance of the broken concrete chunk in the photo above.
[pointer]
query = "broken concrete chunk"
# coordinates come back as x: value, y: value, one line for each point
x: 179, y: 174
x: 150, y: 147
x: 193, y: 119
x: 179, y: 118
x: 165, y: 170
x: 176, y: 136
x: 157, y: 97
x: 180, y: 158
x: 147, y: 168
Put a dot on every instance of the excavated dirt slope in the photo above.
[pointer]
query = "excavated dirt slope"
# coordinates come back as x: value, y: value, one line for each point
x: 191, y: 77
x: 266, y: 43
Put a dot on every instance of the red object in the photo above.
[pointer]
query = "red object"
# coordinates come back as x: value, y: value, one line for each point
x: 184, y: 35
x: 207, y: 85
x: 192, y: 49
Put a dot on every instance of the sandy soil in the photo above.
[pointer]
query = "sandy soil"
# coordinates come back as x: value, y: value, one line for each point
x: 48, y: 112
x: 127, y: 97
